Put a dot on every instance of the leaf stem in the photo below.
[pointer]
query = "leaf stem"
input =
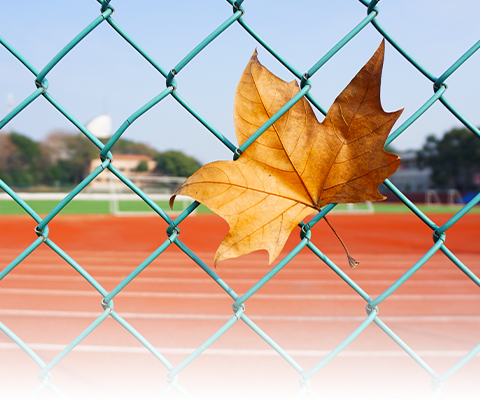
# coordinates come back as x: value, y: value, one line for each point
x: 351, y: 261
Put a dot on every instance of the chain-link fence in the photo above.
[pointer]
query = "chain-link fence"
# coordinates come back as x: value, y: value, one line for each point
x: 173, y: 236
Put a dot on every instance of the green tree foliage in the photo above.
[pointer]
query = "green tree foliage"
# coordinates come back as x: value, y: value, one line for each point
x: 66, y: 157
x: 19, y: 159
x: 142, y: 167
x: 70, y: 155
x: 63, y: 158
x: 176, y: 163
x: 454, y: 159
x: 127, y: 147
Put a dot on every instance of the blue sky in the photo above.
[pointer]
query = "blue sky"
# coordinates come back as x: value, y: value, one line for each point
x: 105, y: 74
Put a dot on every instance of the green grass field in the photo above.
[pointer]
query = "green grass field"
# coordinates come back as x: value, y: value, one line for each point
x: 10, y: 207
x: 88, y: 207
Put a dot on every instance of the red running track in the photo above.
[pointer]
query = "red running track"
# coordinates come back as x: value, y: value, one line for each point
x: 306, y: 309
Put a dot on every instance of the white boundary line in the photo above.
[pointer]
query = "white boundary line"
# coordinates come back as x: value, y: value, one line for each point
x: 223, y: 317
x: 94, y: 197
x: 106, y: 255
x: 127, y: 265
x: 235, y: 352
x: 264, y: 296
x: 185, y: 280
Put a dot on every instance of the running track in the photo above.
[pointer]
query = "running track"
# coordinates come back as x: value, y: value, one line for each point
x: 305, y: 308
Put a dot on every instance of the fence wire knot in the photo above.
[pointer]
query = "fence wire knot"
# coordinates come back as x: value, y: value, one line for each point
x: 304, y: 382
x: 170, y: 81
x: 305, y: 81
x: 238, y: 310
x: 107, y: 306
x: 237, y: 154
x: 438, y: 85
x: 436, y: 384
x: 42, y: 233
x: 439, y: 236
x: 172, y: 228
x: 369, y: 309
x: 237, y: 6
x: 305, y: 232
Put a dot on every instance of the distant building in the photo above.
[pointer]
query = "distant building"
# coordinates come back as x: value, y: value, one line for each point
x: 126, y: 164
x: 409, y: 178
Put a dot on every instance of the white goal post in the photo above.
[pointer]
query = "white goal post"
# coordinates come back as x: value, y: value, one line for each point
x: 354, y: 208
x: 115, y: 196
x: 432, y: 197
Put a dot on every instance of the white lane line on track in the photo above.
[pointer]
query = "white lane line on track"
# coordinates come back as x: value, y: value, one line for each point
x: 95, y: 255
x: 224, y: 317
x: 107, y: 255
x: 120, y: 259
x: 236, y: 352
x: 382, y: 270
x: 118, y: 279
x: 264, y: 296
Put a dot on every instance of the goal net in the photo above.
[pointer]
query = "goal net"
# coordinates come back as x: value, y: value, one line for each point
x: 449, y: 197
x: 357, y: 208
x: 123, y: 201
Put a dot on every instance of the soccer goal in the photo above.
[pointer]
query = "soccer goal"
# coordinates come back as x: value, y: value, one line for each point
x: 122, y: 201
x: 432, y: 197
x: 355, y: 208
x: 450, y: 197
x: 454, y: 197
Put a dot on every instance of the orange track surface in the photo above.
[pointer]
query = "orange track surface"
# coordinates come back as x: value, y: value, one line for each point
x: 305, y: 308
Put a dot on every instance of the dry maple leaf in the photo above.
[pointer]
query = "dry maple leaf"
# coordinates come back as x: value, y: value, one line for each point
x: 298, y: 165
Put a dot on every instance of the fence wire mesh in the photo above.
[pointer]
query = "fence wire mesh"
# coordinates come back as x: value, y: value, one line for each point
x: 173, y: 236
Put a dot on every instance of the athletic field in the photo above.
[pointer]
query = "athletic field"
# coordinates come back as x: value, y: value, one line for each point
x: 306, y: 309
x: 43, y: 207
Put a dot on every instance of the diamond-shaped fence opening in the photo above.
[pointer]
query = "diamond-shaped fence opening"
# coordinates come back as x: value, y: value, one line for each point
x: 174, y: 386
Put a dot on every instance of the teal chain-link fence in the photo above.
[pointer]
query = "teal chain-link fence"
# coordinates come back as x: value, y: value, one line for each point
x: 173, y: 236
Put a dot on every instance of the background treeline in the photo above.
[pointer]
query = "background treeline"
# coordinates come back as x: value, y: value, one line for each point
x: 454, y: 160
x: 63, y: 159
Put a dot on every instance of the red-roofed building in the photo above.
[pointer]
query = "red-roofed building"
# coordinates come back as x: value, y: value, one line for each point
x: 126, y: 164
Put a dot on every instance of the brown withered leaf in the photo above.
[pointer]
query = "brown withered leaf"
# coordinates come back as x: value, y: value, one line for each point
x: 298, y: 165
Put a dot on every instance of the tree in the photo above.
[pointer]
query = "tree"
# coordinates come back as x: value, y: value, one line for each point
x: 128, y: 147
x: 176, y: 163
x: 28, y: 149
x: 67, y: 157
x: 19, y: 159
x: 454, y: 159
x: 142, y: 167
x: 7, y: 148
